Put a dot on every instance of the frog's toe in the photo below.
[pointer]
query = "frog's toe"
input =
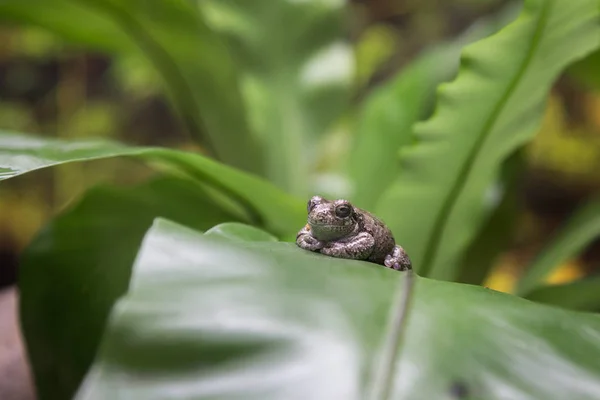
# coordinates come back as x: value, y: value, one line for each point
x: 390, y: 262
x: 398, y: 262
x: 395, y: 265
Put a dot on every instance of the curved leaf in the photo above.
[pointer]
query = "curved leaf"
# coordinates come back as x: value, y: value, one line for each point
x: 493, y: 108
x: 239, y: 232
x: 75, y: 269
x: 198, y: 73
x: 212, y: 318
x: 580, y: 230
x: 267, y: 205
x: 388, y: 114
x: 296, y: 74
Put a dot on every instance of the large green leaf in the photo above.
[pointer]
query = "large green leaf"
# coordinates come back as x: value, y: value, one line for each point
x: 75, y: 269
x: 198, y: 72
x: 579, y: 231
x: 388, y: 114
x: 437, y: 205
x: 206, y: 317
x: 266, y: 205
x: 296, y: 72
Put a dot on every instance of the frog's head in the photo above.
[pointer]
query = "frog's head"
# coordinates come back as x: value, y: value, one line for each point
x: 330, y: 220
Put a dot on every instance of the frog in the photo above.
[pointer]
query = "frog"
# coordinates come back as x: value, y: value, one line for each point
x: 336, y: 228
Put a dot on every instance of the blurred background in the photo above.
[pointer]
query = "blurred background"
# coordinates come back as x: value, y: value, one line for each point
x: 57, y: 88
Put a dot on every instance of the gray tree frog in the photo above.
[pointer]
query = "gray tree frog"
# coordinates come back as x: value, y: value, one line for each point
x: 338, y: 229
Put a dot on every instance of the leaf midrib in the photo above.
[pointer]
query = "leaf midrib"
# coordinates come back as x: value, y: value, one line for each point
x: 382, y: 382
x: 444, y: 214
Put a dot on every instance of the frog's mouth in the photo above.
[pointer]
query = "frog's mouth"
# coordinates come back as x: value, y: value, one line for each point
x: 327, y: 232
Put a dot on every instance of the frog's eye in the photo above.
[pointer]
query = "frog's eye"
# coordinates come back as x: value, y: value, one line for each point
x: 310, y: 205
x: 343, y: 211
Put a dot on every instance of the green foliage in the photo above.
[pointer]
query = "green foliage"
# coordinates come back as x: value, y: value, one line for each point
x: 233, y: 313
x: 226, y: 319
x: 173, y: 37
x: 257, y: 104
x: 385, y: 121
x: 497, y: 230
x: 579, y: 231
x: 77, y: 267
x: 295, y: 84
x: 491, y: 110
x: 582, y: 294
x: 388, y: 114
x: 587, y: 71
x: 265, y: 204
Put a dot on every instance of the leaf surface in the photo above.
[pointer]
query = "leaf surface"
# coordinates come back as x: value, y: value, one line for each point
x: 80, y: 263
x: 207, y: 317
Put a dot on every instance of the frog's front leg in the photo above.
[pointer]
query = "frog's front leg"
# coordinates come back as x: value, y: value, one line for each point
x: 398, y: 259
x: 358, y: 248
x: 307, y: 241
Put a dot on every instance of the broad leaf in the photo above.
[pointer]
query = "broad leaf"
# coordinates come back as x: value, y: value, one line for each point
x: 198, y: 72
x: 211, y: 318
x: 296, y: 72
x: 266, y: 205
x: 80, y: 263
x: 385, y: 122
x: 579, y: 231
x: 436, y: 206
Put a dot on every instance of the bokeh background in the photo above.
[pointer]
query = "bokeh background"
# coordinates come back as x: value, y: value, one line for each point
x: 51, y: 87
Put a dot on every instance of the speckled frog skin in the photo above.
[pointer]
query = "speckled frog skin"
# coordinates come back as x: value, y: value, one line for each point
x: 338, y: 229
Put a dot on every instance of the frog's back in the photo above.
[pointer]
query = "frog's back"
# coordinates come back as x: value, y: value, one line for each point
x: 384, y: 239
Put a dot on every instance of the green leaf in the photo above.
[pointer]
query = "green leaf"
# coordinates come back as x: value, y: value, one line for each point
x: 198, y: 72
x: 498, y: 230
x: 579, y: 231
x: 239, y: 232
x: 296, y: 74
x: 436, y: 206
x: 384, y: 123
x: 268, y: 206
x: 212, y: 318
x: 388, y: 114
x: 583, y: 294
x: 76, y: 268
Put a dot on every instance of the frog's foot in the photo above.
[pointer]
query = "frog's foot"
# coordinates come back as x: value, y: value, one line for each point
x: 398, y: 260
x: 309, y: 242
